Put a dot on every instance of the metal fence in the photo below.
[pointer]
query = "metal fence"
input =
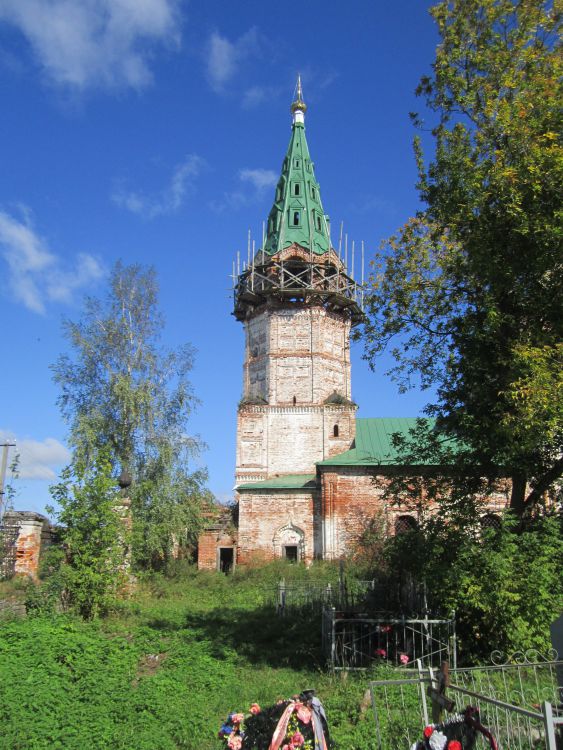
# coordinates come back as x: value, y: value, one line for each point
x: 355, y: 640
x: 519, y: 700
x: 8, y: 539
x: 316, y: 596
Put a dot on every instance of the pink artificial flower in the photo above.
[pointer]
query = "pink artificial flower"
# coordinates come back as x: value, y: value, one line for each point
x: 235, y: 742
x: 289, y: 747
x: 237, y: 718
x: 404, y: 659
x: 385, y: 628
x: 304, y: 713
x: 297, y: 740
x: 381, y: 652
x: 255, y: 709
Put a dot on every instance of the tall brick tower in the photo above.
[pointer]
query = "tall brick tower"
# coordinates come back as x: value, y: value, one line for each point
x: 298, y: 304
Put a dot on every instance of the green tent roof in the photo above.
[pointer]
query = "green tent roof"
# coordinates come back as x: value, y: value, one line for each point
x: 373, y: 445
x: 297, y: 215
x: 287, y: 482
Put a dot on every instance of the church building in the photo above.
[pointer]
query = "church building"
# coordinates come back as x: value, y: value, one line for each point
x: 309, y: 474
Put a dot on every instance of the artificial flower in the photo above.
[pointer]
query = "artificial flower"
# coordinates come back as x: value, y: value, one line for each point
x: 255, y: 709
x: 404, y: 659
x: 225, y: 729
x: 237, y: 718
x: 454, y: 745
x: 235, y: 742
x: 428, y: 731
x: 437, y: 740
x: 381, y: 652
x: 297, y: 739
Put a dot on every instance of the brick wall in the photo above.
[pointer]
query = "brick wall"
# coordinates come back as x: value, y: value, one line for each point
x: 300, y: 353
x: 269, y: 520
x: 208, y: 544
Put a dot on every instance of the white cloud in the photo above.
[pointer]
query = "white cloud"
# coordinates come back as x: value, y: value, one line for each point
x: 260, y: 178
x: 168, y: 200
x: 38, y: 459
x: 256, y: 95
x: 223, y: 57
x: 35, y: 275
x: 89, y: 43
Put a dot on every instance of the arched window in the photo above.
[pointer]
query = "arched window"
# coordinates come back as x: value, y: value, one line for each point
x: 405, y: 523
x: 296, y: 218
x: 335, y: 431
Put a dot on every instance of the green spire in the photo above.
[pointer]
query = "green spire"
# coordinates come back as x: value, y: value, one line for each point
x: 297, y: 215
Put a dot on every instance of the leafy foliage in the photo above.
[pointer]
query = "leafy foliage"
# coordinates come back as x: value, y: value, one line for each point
x: 122, y: 392
x: 94, y: 539
x: 164, y: 669
x: 470, y: 290
x: 505, y: 588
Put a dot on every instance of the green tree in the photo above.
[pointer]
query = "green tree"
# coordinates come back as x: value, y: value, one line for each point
x: 468, y: 294
x: 121, y: 391
x: 93, y: 537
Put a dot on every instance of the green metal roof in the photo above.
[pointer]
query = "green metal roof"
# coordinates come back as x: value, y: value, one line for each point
x: 287, y: 482
x: 297, y: 215
x: 373, y: 445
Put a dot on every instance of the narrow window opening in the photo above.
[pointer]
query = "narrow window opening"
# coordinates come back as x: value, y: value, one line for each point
x: 335, y: 431
x: 296, y: 218
x: 314, y: 193
x: 296, y: 163
x: 319, y: 223
x: 294, y: 400
x: 296, y: 189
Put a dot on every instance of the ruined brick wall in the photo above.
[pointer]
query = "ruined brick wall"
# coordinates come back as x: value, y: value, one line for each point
x: 268, y: 520
x: 209, y: 543
x: 352, y: 496
x: 32, y: 533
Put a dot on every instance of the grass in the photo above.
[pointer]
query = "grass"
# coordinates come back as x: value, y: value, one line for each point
x: 165, y: 669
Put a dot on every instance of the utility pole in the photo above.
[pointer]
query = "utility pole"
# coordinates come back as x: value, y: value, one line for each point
x: 4, y: 466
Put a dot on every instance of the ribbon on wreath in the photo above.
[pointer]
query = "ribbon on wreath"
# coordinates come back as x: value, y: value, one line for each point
x: 315, y: 713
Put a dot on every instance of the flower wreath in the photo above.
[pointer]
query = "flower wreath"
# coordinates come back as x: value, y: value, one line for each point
x: 296, y: 724
x: 459, y: 732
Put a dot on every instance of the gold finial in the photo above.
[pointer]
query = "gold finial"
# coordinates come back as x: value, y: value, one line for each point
x: 298, y: 103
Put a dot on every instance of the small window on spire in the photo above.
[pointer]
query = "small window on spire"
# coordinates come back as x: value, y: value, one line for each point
x: 296, y: 218
x: 296, y: 163
x: 313, y: 193
x: 318, y: 223
x: 296, y: 189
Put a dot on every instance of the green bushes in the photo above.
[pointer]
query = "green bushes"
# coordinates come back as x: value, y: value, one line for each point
x: 504, y: 584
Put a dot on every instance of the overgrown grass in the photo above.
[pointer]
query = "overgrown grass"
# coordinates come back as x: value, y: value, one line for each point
x: 165, y: 669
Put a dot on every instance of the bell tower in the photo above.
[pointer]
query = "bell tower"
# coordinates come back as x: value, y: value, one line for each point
x: 297, y: 304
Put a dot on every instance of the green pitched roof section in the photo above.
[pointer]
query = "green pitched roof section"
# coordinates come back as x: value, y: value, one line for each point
x: 373, y: 445
x: 287, y: 482
x: 297, y: 215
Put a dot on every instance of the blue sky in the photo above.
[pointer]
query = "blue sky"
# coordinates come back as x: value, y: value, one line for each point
x: 153, y: 131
